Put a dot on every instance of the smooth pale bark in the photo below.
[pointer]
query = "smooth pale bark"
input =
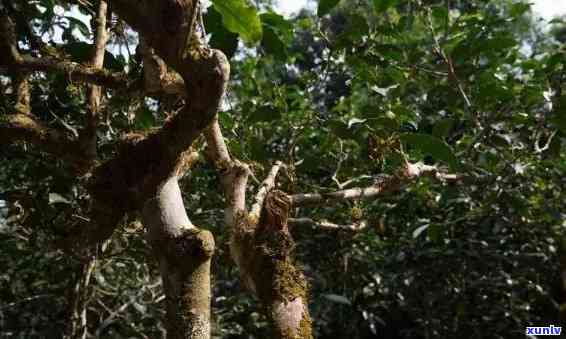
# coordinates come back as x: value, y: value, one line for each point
x: 184, y: 254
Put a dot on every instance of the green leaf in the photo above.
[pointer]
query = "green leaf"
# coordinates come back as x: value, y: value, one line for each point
x: 434, y: 233
x: 144, y: 118
x: 221, y: 38
x: 341, y: 129
x: 264, y: 113
x: 325, y: 6
x: 430, y: 145
x: 272, y: 44
x: 356, y: 29
x: 454, y: 41
x: 355, y: 121
x: 390, y: 52
x: 559, y: 116
x: 440, y: 14
x: 387, y: 123
x: 240, y: 17
x: 442, y: 128
x: 79, y: 51
x: 383, y: 5
x: 257, y: 148
x: 276, y: 21
x: 519, y: 9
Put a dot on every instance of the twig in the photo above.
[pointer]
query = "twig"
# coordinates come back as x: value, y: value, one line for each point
x: 341, y: 158
x: 539, y: 149
x: 326, y: 225
x: 451, y: 72
x: 65, y: 124
x: 25, y: 300
x: 266, y: 186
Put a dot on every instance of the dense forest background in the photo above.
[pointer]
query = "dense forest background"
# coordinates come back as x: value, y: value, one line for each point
x: 343, y: 95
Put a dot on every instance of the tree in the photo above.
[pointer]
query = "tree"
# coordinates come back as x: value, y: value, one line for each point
x: 433, y: 101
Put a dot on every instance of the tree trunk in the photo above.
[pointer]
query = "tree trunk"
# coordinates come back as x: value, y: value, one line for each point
x: 184, y: 254
x: 267, y: 268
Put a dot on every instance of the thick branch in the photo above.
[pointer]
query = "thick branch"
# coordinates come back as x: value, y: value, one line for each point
x: 233, y: 174
x: 25, y: 128
x: 158, y: 78
x: 88, y: 144
x: 164, y: 215
x: 73, y: 71
x: 216, y: 146
x: 12, y: 59
x: 262, y: 250
x: 264, y: 256
x: 167, y: 25
x: 136, y: 173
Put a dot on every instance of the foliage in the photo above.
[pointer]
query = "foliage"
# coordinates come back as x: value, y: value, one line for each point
x: 343, y: 94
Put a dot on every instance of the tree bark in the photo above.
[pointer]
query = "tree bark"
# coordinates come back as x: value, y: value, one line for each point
x: 261, y: 245
x: 144, y: 174
x: 269, y: 270
x: 184, y: 253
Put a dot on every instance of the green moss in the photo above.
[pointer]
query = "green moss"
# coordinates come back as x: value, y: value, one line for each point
x: 288, y: 282
x: 188, y: 261
x: 305, y: 327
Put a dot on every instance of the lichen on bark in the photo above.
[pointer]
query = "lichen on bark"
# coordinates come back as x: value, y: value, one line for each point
x: 264, y: 252
x: 185, y: 264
